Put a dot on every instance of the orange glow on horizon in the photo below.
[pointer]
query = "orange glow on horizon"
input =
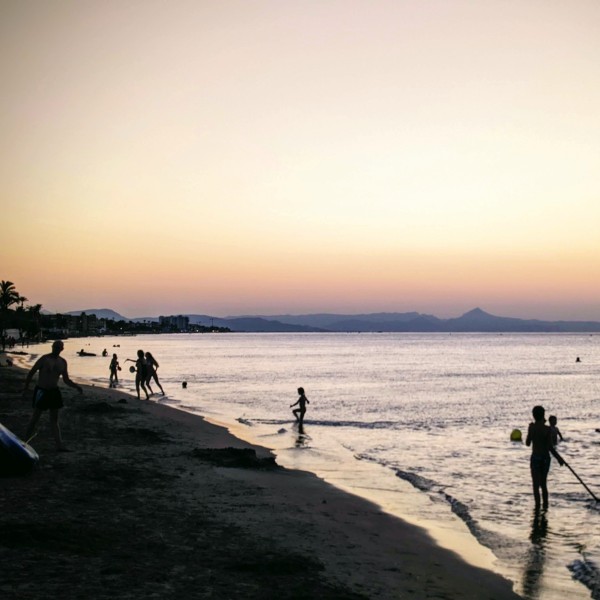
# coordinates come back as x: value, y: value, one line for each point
x: 269, y: 157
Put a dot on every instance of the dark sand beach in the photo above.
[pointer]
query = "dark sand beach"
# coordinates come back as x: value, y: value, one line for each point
x: 153, y: 502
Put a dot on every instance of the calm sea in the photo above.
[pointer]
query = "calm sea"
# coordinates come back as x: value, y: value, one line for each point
x: 419, y: 423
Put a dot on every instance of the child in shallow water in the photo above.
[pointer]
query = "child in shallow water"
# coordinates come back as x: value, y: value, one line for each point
x: 301, y: 402
x: 555, y: 431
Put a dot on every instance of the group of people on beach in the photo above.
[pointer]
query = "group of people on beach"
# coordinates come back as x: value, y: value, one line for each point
x: 51, y: 367
x: 47, y: 396
x: 542, y: 438
x: 145, y: 371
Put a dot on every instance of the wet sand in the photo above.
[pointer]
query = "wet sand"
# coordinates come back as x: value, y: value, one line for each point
x: 153, y: 502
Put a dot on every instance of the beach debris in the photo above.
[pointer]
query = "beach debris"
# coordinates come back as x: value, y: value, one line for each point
x: 144, y: 436
x: 16, y: 456
x: 100, y: 407
x: 241, y: 458
x: 586, y: 572
x: 273, y: 563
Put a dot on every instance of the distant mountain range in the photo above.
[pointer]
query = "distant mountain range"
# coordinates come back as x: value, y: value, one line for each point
x: 101, y: 313
x: 474, y: 321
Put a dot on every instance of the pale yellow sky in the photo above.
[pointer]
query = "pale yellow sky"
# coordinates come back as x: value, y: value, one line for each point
x: 302, y: 156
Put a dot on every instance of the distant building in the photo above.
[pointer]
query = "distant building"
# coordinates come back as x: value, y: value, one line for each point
x: 174, y: 323
x: 59, y: 325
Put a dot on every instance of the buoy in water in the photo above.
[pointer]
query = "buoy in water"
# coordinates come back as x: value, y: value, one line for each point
x: 132, y: 369
x: 516, y: 436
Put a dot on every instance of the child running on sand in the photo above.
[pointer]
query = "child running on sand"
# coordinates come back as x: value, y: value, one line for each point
x: 539, y: 437
x: 301, y: 402
x: 554, y: 430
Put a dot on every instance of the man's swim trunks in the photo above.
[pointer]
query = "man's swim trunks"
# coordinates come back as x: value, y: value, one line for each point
x: 540, y: 465
x: 47, y: 399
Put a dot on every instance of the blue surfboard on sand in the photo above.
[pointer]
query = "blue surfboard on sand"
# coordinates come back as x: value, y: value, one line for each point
x: 16, y: 456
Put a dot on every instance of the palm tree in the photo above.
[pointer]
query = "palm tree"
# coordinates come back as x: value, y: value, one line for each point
x: 34, y: 318
x: 8, y: 295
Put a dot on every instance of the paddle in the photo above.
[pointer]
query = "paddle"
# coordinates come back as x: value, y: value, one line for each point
x: 580, y: 480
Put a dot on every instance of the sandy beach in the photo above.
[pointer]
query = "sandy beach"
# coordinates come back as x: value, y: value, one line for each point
x: 153, y: 502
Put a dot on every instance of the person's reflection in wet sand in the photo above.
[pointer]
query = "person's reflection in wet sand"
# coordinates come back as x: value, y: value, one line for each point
x: 534, y: 565
x: 302, y: 438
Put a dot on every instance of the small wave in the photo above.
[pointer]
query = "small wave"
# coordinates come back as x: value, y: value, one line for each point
x: 421, y: 483
x: 586, y: 572
x: 461, y: 510
x: 418, y: 481
x: 323, y: 423
x: 499, y: 544
x: 167, y: 400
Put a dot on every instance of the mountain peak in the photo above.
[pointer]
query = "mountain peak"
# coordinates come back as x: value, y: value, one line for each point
x: 477, y: 312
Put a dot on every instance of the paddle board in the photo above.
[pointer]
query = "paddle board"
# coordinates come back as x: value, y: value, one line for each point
x: 16, y: 457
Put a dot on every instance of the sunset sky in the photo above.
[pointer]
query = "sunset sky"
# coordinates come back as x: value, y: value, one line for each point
x: 267, y: 156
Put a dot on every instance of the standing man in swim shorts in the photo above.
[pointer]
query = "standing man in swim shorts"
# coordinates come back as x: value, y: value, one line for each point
x: 539, y: 437
x: 46, y: 395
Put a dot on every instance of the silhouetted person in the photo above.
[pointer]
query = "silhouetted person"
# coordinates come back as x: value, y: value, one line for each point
x: 114, y: 369
x: 47, y: 396
x: 141, y: 374
x: 105, y: 352
x: 539, y: 437
x: 301, y: 410
x: 554, y: 430
x: 151, y: 366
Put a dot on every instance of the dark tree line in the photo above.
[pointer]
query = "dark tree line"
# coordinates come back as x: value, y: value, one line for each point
x: 30, y: 323
x: 15, y: 315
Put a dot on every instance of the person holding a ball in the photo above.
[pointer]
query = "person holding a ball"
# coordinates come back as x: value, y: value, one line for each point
x: 141, y: 373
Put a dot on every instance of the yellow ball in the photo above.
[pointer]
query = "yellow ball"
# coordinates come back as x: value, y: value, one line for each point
x: 515, y: 435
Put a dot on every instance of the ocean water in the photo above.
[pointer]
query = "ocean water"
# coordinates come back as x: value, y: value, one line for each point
x: 419, y: 423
